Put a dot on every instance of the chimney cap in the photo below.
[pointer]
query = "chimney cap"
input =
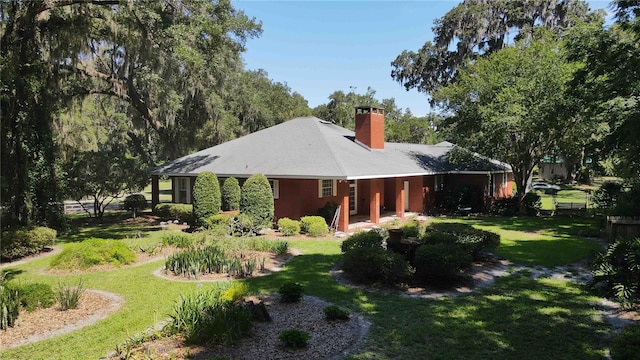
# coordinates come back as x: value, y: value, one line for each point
x: 365, y: 109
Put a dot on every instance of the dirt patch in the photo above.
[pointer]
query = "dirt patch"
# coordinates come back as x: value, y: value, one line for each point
x: 42, y: 324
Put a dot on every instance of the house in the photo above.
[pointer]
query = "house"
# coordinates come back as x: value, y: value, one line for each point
x: 310, y: 162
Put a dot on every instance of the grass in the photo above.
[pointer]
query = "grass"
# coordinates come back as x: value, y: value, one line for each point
x: 515, y: 318
x: 164, y: 187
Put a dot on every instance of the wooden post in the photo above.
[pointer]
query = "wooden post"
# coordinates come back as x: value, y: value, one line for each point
x: 155, y: 191
x: 343, y: 197
x: 399, y: 191
x: 374, y: 200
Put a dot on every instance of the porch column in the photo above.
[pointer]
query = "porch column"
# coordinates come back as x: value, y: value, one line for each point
x: 343, y: 198
x: 375, y: 186
x: 155, y: 191
x: 399, y: 198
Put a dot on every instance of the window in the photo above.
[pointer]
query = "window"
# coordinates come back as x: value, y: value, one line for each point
x: 504, y: 180
x: 275, y: 188
x: 326, y: 188
x: 183, y: 190
x: 438, y: 183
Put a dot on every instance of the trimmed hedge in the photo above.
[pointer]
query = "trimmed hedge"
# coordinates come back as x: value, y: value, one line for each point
x: 135, y: 202
x: 314, y: 225
x: 24, y: 242
x: 206, y: 196
x: 376, y: 265
x: 93, y: 252
x: 289, y: 227
x: 181, y: 212
x: 361, y: 240
x: 474, y: 241
x: 231, y: 194
x: 440, y: 263
x: 256, y: 201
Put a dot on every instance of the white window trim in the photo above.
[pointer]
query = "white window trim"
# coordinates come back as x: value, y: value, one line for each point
x: 334, y: 188
x: 275, y: 188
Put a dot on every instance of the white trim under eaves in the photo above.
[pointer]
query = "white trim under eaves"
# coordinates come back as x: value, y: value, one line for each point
x: 343, y: 177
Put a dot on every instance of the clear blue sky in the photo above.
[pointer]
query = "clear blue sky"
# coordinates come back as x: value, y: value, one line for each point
x: 318, y: 47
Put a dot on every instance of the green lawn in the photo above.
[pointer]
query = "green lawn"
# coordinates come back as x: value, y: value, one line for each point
x: 515, y: 318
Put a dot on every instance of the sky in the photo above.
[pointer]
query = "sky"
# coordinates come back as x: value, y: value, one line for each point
x: 319, y: 47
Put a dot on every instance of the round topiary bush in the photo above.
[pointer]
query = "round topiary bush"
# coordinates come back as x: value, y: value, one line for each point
x: 230, y: 194
x: 206, y: 196
x: 256, y: 200
x: 135, y: 203
x: 289, y: 227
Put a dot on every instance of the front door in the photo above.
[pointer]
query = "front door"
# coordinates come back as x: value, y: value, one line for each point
x: 353, y: 197
x: 406, y: 196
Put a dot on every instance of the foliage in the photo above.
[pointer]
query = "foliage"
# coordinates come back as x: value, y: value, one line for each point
x: 135, y: 202
x: 289, y: 227
x: 294, y: 338
x: 440, y: 263
x: 605, y: 196
x: 181, y: 239
x: 360, y: 240
x: 628, y: 204
x: 507, y: 206
x: 181, y: 212
x: 194, y: 262
x: 23, y: 242
x: 450, y: 199
x: 206, y: 196
x: 328, y: 211
x: 617, y: 270
x: 334, y: 312
x: 34, y: 295
x: 256, y: 201
x: 411, y: 229
x: 473, y: 241
x: 92, y: 252
x: 375, y: 265
x: 9, y: 302
x: 626, y: 346
x: 236, y: 291
x: 243, y: 225
x: 531, y: 203
x: 230, y: 194
x: 68, y: 296
x: 291, y: 292
x: 476, y: 29
x: 207, y: 317
x: 314, y: 225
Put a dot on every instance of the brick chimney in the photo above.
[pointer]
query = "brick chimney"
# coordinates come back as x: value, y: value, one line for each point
x: 370, y: 126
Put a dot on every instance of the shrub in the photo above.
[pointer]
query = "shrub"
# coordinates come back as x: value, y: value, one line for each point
x: 230, y: 194
x: 363, y: 239
x: 69, y: 296
x: 376, y: 265
x: 626, y: 346
x: 181, y: 240
x: 220, y: 224
x: 206, y: 196
x: 242, y: 225
x: 289, y: 227
x: 333, y: 312
x: 9, y: 303
x: 24, y: 242
x: 235, y: 291
x: 531, y: 203
x: 135, y: 202
x: 291, y: 292
x: 411, y: 229
x: 606, y: 196
x: 35, y: 295
x: 204, y: 317
x: 618, y: 270
x: 627, y: 203
x: 294, y: 338
x: 473, y: 241
x: 505, y: 206
x: 180, y: 212
x: 314, y: 225
x: 256, y: 200
x: 328, y: 211
x: 440, y: 263
x: 93, y: 252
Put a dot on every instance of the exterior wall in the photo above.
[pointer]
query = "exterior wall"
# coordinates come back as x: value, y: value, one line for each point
x: 549, y: 171
x: 299, y: 197
x: 416, y: 194
x: 428, y: 184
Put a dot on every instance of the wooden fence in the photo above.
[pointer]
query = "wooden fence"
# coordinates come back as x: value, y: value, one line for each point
x: 625, y: 227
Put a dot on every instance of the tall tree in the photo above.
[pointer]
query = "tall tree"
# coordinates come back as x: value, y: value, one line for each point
x: 168, y: 60
x: 506, y: 105
x: 608, y: 84
x: 477, y: 28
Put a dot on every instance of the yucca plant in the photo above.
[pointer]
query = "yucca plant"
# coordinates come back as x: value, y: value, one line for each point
x: 68, y: 296
x: 9, y: 302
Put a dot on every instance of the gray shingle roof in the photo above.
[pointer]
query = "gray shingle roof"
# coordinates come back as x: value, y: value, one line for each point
x: 308, y: 147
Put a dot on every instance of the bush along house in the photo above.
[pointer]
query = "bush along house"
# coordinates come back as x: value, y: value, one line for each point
x: 311, y: 162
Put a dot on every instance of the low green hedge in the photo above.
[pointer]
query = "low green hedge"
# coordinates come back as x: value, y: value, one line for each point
x: 314, y: 225
x: 441, y: 263
x: 181, y: 212
x: 93, y: 252
x: 474, y: 241
x: 376, y: 265
x: 24, y: 242
x: 363, y: 239
x: 289, y: 227
x: 33, y: 295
